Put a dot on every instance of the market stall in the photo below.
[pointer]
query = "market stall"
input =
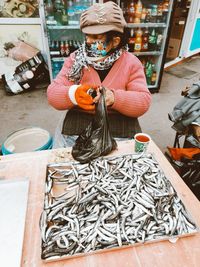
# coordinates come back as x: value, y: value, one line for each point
x: 183, y: 252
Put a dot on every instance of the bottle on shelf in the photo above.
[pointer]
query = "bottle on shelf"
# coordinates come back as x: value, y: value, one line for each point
x: 62, y: 49
x: 49, y: 10
x: 154, y: 77
x: 159, y: 41
x: 64, y: 17
x: 138, y: 41
x: 67, y: 50
x: 138, y: 11
x: 145, y: 40
x: 131, y: 41
x: 56, y: 67
x: 124, y: 10
x: 166, y: 5
x: 78, y: 9
x: 152, y: 40
x: 148, y: 15
x: 54, y: 49
x: 148, y: 71
x: 57, y: 47
x: 131, y: 11
x: 143, y: 15
x: 165, y: 8
x: 58, y: 7
x: 159, y: 18
x: 72, y: 20
x: 154, y: 12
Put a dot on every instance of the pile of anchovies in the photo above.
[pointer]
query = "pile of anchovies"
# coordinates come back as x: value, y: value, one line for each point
x: 109, y: 202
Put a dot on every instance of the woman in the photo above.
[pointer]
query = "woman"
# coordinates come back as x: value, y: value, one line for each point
x: 103, y: 60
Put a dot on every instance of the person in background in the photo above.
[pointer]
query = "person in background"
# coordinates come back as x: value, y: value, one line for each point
x: 102, y: 60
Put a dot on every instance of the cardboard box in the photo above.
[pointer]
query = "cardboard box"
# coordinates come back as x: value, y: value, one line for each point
x: 173, y: 48
x: 178, y: 27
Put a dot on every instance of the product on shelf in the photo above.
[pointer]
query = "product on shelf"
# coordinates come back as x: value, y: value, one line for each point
x: 159, y: 41
x: 143, y: 15
x: 131, y: 41
x: 149, y: 70
x: 138, y: 41
x: 64, y: 12
x: 145, y: 39
x: 63, y: 48
x: 154, y: 78
x: 58, y: 7
x: 131, y: 11
x: 137, y: 11
x: 154, y: 12
x: 159, y: 18
x: 152, y: 39
x: 49, y: 8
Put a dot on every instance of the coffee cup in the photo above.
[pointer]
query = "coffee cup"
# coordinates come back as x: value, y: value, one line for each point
x: 141, y: 142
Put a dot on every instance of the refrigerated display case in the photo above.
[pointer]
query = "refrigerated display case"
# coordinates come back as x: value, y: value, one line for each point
x: 61, y: 29
x: 148, y: 26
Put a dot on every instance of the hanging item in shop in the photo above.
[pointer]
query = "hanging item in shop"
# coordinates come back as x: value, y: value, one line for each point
x: 19, y: 8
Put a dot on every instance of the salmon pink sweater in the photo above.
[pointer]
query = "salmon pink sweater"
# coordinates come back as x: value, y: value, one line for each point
x: 126, y: 79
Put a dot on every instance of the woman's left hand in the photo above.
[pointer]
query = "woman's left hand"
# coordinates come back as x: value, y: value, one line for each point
x: 109, y: 97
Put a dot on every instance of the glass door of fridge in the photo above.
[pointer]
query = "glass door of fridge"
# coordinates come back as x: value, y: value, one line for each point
x: 191, y: 39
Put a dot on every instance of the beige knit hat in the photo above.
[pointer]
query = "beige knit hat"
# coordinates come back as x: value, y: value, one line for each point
x: 100, y: 18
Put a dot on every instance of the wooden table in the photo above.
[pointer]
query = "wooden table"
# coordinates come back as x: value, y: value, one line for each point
x: 184, y: 253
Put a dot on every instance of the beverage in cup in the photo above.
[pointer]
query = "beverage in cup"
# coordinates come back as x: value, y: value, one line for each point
x: 141, y: 142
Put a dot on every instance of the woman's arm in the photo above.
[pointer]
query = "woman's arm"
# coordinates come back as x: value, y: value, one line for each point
x: 136, y: 99
x: 57, y: 91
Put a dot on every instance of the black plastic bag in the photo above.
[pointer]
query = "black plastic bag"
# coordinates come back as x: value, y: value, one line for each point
x: 95, y: 140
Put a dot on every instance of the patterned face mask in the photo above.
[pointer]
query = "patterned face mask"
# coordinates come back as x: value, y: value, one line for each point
x: 97, y: 49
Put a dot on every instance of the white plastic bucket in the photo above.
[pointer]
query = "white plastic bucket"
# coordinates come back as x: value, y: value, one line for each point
x: 27, y: 140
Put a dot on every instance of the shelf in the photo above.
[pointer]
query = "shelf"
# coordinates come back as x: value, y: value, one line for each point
x: 20, y: 21
x: 52, y: 25
x: 151, y: 86
x: 63, y: 27
x: 149, y: 25
x: 148, y: 53
x: 55, y: 59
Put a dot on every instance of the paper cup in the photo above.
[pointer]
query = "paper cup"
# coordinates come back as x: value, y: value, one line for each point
x: 141, y: 142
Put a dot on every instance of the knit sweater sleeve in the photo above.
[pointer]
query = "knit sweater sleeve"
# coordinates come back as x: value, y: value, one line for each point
x: 57, y: 91
x: 136, y: 99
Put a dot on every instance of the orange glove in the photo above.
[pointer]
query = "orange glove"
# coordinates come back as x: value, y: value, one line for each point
x: 82, y: 97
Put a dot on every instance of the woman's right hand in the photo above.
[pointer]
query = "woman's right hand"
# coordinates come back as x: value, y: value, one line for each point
x: 79, y: 95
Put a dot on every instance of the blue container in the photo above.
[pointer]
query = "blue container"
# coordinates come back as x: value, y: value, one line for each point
x: 27, y: 140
